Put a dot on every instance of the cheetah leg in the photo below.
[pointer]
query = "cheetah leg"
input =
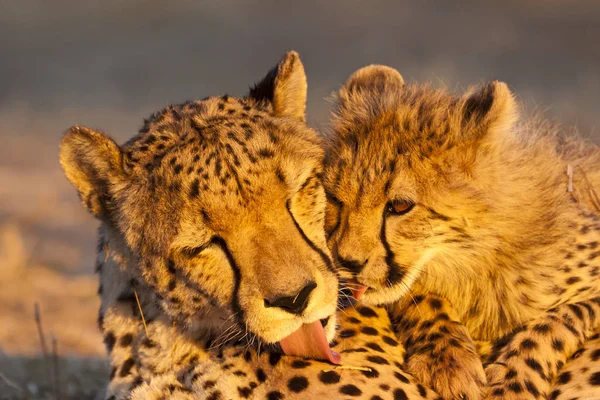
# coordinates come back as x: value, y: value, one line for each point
x: 439, y: 350
x: 525, y: 365
x: 580, y: 377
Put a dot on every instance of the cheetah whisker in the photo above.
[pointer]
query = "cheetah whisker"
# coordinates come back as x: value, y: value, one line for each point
x: 350, y: 367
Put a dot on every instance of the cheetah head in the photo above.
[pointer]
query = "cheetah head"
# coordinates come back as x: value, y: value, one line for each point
x: 219, y: 208
x: 407, y: 173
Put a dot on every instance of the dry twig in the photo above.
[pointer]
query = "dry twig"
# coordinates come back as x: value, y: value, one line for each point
x: 10, y: 383
x: 137, y: 299
x: 55, y: 369
x: 38, y: 322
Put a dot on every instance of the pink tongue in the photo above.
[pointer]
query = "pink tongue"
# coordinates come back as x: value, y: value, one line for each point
x: 358, y: 291
x: 310, y: 341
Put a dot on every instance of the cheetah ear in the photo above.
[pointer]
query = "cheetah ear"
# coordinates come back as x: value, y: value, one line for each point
x: 373, y: 78
x: 284, y: 87
x: 489, y: 112
x: 92, y: 163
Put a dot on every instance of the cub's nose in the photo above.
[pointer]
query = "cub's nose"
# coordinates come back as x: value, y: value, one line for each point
x: 352, y: 265
x: 293, y: 304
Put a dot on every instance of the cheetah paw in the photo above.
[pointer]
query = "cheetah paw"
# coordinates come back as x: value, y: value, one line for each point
x: 454, y: 373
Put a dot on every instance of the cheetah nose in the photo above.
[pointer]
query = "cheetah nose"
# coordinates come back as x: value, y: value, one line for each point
x: 293, y: 304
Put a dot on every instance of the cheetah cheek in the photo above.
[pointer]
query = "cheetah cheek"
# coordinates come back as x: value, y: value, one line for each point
x: 310, y: 341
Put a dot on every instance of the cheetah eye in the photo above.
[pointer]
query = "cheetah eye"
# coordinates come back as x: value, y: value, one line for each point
x: 399, y: 207
x: 332, y: 214
x: 333, y: 200
x: 191, y: 252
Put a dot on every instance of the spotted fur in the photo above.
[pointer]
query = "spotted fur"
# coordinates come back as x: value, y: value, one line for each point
x: 487, y: 219
x: 211, y: 220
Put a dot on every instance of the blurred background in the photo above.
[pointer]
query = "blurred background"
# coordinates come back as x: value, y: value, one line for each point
x: 108, y: 64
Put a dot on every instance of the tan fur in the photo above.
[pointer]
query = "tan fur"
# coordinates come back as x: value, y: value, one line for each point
x: 493, y: 230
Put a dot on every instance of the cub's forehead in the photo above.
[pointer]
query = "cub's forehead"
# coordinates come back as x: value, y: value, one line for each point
x: 221, y: 145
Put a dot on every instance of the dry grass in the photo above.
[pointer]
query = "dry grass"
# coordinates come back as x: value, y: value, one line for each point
x: 50, y: 347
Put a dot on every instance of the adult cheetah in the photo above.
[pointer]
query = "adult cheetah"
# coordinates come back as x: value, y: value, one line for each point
x: 447, y: 207
x: 213, y: 258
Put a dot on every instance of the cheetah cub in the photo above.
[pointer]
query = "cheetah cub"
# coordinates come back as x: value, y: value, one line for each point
x: 464, y: 221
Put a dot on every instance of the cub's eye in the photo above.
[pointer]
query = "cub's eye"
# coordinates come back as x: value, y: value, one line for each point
x: 399, y: 207
x: 333, y: 200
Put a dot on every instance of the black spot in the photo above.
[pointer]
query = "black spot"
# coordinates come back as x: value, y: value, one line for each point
x: 126, y: 367
x: 298, y: 364
x: 266, y: 153
x: 377, y: 360
x: 400, y: 394
x: 216, y: 395
x: 532, y: 389
x: 126, y: 340
x: 209, y: 384
x: 274, y: 395
x: 421, y: 390
x: 260, y: 375
x: 375, y: 346
x: 354, y: 320
x: 376, y: 397
x: 329, y: 377
x: 346, y: 333
x: 367, y: 312
x: 388, y: 340
x: 515, y: 387
x: 576, y: 310
x: 384, y: 387
x: 244, y: 392
x: 350, y: 390
x: 528, y: 344
x: 371, y: 373
x: 595, y: 379
x: 367, y: 330
x: 239, y: 373
x: 274, y: 358
x: 280, y: 175
x: 558, y: 345
x: 172, y: 284
x: 109, y: 340
x: 554, y: 395
x: 435, y: 304
x: 498, y: 392
x: 595, y: 355
x: 401, y: 377
x: 565, y: 377
x: 297, y: 384
x: 534, y: 365
x: 541, y: 328
x: 510, y: 374
x: 194, y: 189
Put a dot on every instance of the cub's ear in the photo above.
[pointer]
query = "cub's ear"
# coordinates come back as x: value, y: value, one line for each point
x: 489, y: 111
x: 373, y: 78
x: 92, y: 163
x: 284, y: 87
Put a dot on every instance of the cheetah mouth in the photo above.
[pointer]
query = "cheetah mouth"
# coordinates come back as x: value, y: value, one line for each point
x: 358, y: 290
x: 310, y: 341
